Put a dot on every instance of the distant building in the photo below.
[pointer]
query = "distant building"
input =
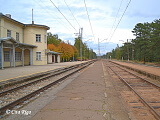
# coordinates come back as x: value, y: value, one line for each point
x: 24, y: 44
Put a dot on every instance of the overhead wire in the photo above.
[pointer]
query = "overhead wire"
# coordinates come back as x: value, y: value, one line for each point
x: 89, y: 19
x: 72, y: 13
x: 73, y: 16
x: 120, y: 19
x: 63, y: 15
x: 48, y: 12
x: 114, y: 20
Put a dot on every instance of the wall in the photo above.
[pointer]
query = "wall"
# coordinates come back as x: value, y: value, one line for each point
x: 58, y: 59
x: 0, y: 56
x: 49, y: 58
x: 14, y: 27
x: 6, y: 64
x: 26, y: 57
x: 30, y: 38
x: 19, y: 63
x: 26, y: 35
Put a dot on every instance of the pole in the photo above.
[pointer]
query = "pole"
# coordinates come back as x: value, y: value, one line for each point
x: 81, y: 31
x: 132, y: 52
x: 128, y: 49
x: 98, y: 47
x: 32, y: 17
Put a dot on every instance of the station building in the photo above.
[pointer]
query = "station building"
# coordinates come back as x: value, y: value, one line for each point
x: 24, y: 44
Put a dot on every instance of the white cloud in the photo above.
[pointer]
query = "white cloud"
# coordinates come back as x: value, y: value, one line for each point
x: 102, y: 15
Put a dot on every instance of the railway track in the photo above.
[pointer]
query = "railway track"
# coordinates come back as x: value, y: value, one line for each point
x: 148, y: 92
x: 11, y: 97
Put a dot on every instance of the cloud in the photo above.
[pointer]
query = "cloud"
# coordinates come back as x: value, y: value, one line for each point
x: 102, y: 15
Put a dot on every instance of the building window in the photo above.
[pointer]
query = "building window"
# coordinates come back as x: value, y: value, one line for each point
x: 38, y: 55
x: 17, y: 36
x: 45, y: 38
x: 18, y: 56
x: 6, y: 56
x: 8, y: 33
x: 38, y: 38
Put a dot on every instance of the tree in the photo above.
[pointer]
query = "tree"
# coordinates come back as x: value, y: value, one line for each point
x: 86, y: 52
x: 145, y: 47
x: 53, y: 39
x: 52, y: 47
x: 66, y: 50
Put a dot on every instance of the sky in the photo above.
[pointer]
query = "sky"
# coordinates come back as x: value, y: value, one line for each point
x: 104, y: 16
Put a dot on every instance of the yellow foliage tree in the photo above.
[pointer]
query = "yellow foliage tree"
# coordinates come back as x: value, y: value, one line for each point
x: 66, y: 50
x: 52, y: 47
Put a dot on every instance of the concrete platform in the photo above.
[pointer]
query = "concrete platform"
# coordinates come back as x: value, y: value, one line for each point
x: 91, y: 96
x: 18, y: 72
x: 152, y: 72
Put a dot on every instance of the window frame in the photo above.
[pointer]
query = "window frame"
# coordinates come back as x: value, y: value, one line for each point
x: 7, y: 56
x: 8, y: 33
x: 45, y: 38
x: 17, y: 36
x: 38, y: 56
x: 38, y: 37
x: 18, y: 56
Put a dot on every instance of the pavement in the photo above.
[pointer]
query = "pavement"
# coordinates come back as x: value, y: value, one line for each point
x: 91, y: 96
x: 18, y: 72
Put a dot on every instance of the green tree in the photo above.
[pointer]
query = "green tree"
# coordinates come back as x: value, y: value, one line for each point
x: 53, y: 39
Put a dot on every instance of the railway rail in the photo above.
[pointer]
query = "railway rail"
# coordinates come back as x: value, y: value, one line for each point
x: 18, y: 94
x: 148, y: 92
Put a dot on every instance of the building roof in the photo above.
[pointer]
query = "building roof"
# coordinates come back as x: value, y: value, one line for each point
x: 55, y: 53
x: 8, y: 39
x: 14, y: 41
x: 27, y: 45
x: 37, y: 25
x: 25, y: 25
x: 10, y: 19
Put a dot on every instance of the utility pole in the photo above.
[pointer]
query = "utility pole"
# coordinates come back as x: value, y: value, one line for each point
x: 132, y: 52
x: 128, y: 49
x: 98, y: 48
x: 80, y: 33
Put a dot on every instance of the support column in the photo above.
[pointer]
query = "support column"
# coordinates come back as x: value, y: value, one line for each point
x: 10, y: 52
x: 14, y: 58
x: 22, y: 56
x: 2, y: 56
x: 58, y: 59
x: 31, y: 56
x: 54, y: 58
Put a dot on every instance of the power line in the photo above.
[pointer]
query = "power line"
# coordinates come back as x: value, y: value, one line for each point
x: 120, y: 19
x: 72, y: 13
x: 89, y: 18
x: 49, y: 12
x: 115, y: 19
x: 63, y: 15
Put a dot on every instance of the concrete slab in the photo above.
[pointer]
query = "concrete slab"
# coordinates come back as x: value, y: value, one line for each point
x: 12, y: 73
x: 85, y: 98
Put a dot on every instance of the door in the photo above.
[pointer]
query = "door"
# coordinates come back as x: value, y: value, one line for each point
x: 52, y: 58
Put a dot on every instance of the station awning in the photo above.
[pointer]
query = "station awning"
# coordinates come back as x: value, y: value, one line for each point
x: 12, y: 40
x: 54, y: 53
